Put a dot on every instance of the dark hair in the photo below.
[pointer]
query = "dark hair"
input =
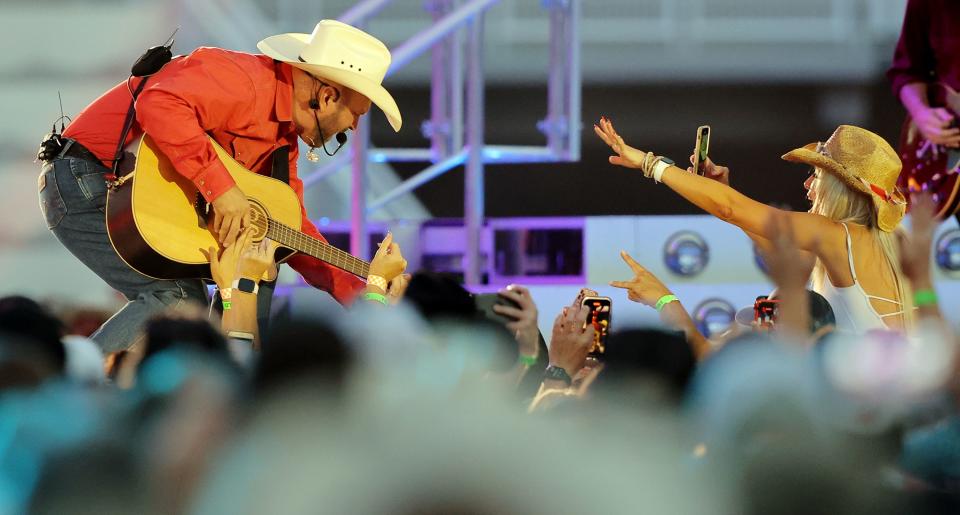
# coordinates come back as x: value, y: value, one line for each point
x: 821, y: 313
x: 302, y: 350
x: 30, y: 329
x: 196, y: 335
x: 439, y: 296
x: 93, y: 477
x: 654, y: 353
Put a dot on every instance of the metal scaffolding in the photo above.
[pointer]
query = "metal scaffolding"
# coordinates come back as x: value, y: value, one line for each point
x: 455, y: 128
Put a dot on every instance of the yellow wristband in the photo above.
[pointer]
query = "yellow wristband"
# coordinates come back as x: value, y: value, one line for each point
x: 377, y: 281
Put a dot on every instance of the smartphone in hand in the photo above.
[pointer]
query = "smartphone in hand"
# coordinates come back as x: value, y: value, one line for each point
x: 701, y: 149
x: 485, y: 303
x: 600, y: 317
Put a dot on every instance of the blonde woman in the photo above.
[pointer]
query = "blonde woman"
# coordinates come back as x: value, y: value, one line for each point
x: 849, y: 228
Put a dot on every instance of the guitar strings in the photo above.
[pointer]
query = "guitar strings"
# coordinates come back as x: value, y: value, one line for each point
x: 294, y: 238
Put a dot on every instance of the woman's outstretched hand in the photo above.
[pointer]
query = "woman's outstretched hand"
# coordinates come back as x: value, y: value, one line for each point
x: 627, y: 156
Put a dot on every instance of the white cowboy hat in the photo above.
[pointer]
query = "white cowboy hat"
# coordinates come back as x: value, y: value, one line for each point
x: 343, y: 54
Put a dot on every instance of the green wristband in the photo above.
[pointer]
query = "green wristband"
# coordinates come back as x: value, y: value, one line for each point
x: 666, y: 299
x: 376, y: 297
x: 924, y: 298
x: 528, y: 361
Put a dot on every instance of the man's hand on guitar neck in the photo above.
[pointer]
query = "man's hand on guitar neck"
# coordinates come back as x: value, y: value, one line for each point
x: 231, y: 214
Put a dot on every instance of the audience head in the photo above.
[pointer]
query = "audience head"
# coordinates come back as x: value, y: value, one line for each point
x: 302, y: 352
x: 764, y: 314
x: 30, y: 347
x: 656, y: 359
x: 440, y: 296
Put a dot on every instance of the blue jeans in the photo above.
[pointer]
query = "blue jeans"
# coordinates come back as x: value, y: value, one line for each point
x: 73, y: 197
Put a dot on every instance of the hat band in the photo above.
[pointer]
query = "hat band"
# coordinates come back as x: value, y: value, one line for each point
x: 880, y: 192
x: 887, y: 196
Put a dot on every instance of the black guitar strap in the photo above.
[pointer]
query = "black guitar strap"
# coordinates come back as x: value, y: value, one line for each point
x: 281, y: 164
x: 127, y: 125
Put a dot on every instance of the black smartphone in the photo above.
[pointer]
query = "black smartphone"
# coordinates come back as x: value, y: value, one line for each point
x: 601, y: 311
x: 485, y: 303
x: 701, y: 149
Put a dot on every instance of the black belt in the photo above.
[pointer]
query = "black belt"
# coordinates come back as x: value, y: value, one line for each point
x: 81, y: 152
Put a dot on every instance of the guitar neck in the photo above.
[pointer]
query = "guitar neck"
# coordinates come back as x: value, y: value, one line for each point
x: 300, y: 242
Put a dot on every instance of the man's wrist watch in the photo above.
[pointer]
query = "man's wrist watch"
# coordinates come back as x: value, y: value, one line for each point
x: 556, y: 373
x: 246, y: 285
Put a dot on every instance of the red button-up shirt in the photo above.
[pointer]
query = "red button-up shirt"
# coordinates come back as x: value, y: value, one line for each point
x: 929, y: 45
x: 243, y: 101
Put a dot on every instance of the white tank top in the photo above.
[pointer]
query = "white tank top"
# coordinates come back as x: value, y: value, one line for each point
x: 851, y: 305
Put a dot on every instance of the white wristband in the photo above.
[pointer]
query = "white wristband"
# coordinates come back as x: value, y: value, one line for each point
x: 658, y: 170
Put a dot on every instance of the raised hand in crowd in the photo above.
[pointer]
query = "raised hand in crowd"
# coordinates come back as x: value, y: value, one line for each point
x: 713, y: 171
x: 387, y: 266
x: 915, y: 247
x: 916, y: 244
x: 243, y: 260
x: 524, y: 319
x: 570, y: 344
x: 397, y: 288
x: 645, y: 288
x: 789, y: 268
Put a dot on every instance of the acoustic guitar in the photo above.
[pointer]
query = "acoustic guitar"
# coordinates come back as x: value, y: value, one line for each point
x: 158, y: 222
x: 928, y: 166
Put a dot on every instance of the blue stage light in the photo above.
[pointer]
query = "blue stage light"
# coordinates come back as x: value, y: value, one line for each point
x: 714, y: 316
x: 686, y: 253
x: 948, y: 251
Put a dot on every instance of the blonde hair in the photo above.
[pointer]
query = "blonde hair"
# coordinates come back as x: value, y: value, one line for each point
x: 838, y: 202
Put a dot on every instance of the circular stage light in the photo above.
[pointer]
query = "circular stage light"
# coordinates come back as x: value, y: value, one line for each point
x: 948, y: 251
x: 686, y: 253
x: 714, y: 316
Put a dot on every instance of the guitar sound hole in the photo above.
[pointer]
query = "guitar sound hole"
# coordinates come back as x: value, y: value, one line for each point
x: 259, y: 222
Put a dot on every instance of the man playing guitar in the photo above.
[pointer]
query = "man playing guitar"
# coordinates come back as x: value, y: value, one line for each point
x: 306, y: 86
x: 927, y: 62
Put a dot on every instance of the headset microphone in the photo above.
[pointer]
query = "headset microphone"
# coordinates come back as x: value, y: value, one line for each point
x: 341, y: 136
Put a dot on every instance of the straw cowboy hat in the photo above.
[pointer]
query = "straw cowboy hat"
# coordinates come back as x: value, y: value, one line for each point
x: 343, y: 54
x: 864, y: 162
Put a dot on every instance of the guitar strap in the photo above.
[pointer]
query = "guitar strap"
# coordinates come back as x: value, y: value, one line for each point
x: 281, y: 164
x: 127, y: 125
